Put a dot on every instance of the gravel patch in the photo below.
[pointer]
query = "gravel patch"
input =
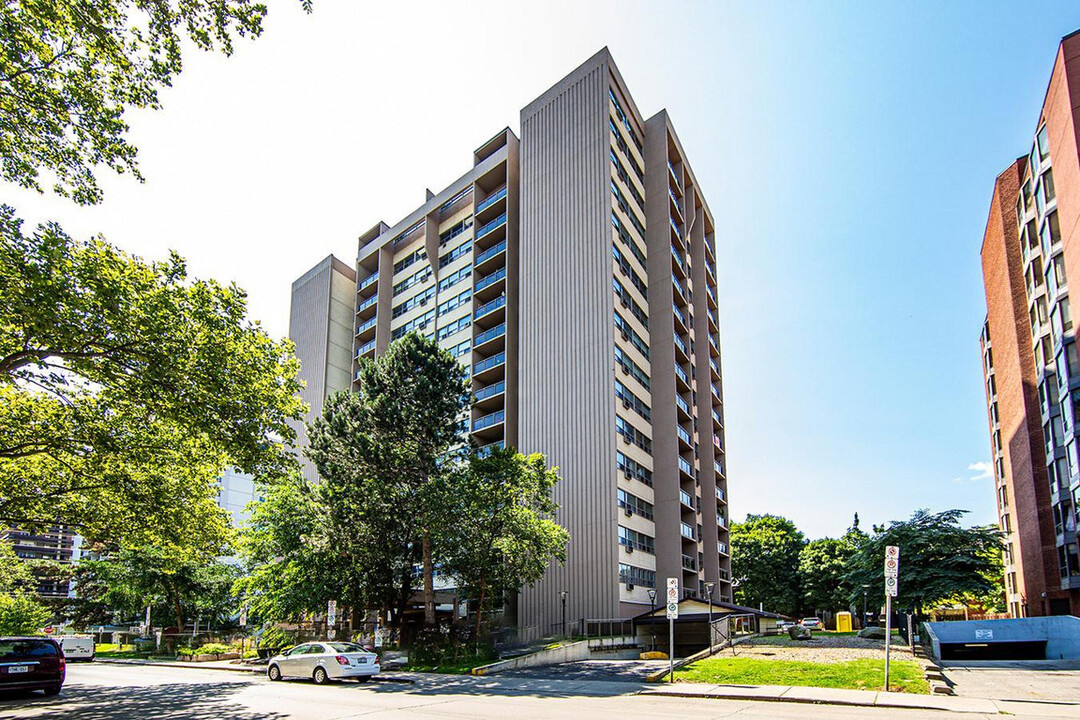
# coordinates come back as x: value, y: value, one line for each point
x: 821, y: 649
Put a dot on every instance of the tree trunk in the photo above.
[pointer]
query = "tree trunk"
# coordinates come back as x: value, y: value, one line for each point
x: 429, y: 583
x: 179, y: 613
x: 479, y: 610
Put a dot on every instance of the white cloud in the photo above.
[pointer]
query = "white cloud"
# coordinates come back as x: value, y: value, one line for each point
x: 981, y: 471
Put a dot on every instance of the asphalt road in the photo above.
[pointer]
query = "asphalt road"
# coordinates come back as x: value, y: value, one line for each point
x: 111, y: 692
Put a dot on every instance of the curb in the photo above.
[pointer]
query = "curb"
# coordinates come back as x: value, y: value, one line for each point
x: 909, y: 702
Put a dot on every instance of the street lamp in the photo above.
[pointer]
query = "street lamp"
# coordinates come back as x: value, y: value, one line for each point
x: 652, y: 615
x: 708, y: 594
x: 562, y: 597
x: 865, y: 587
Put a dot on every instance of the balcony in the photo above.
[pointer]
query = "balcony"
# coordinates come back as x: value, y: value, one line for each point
x: 682, y: 348
x: 362, y: 330
x: 489, y: 335
x: 684, y: 437
x: 489, y: 392
x: 489, y: 280
x: 683, y: 407
x: 367, y: 282
x: 721, y: 495
x: 487, y: 421
x: 724, y: 574
x: 675, y: 202
x: 488, y: 309
x: 674, y: 175
x: 680, y: 374
x: 686, y: 468
x: 721, y: 520
x: 491, y: 200
x: 485, y: 259
x: 716, y: 442
x: 686, y: 499
x: 713, y: 325
x: 715, y: 369
x: 678, y: 259
x: 485, y: 450
x: 716, y: 419
x: 366, y: 348
x: 715, y: 393
x: 689, y: 563
x: 687, y: 532
x: 488, y: 228
x: 680, y: 317
x: 487, y: 368
x: 678, y: 287
x: 370, y: 302
x: 718, y: 467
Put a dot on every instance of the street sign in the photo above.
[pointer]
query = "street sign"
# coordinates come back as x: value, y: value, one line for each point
x: 892, y: 568
x: 331, y: 612
x: 673, y: 598
x: 672, y: 615
x: 49, y: 630
x: 243, y: 617
x: 891, y: 586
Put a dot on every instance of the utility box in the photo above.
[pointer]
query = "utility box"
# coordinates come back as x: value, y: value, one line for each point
x: 843, y: 622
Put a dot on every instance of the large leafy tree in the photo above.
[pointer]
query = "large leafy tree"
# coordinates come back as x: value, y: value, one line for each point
x: 765, y: 562
x: 939, y: 559
x: 70, y: 70
x: 180, y: 588
x: 386, y: 452
x: 823, y: 565
x: 15, y: 574
x: 22, y: 615
x: 125, y: 389
x: 503, y: 536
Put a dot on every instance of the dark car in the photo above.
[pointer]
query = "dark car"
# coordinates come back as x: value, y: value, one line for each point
x: 31, y: 663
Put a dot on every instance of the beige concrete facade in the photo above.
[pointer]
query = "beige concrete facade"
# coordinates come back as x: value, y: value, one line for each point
x: 574, y: 272
x: 320, y: 324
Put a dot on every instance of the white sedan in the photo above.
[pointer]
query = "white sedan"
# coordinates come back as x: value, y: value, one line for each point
x: 324, y: 661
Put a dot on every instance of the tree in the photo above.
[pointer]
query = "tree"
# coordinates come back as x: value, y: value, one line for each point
x: 16, y: 577
x: 125, y: 389
x: 765, y: 561
x: 183, y: 587
x: 69, y: 71
x: 386, y: 451
x: 292, y: 569
x: 22, y: 615
x: 823, y: 565
x: 503, y: 536
x: 939, y: 559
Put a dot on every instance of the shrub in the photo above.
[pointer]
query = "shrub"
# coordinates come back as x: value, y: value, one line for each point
x: 184, y: 651
x: 250, y: 654
x: 212, y: 649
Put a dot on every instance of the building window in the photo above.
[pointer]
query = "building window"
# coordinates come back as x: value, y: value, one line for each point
x: 634, y: 540
x: 635, y: 505
x: 631, y: 575
x: 1043, y: 143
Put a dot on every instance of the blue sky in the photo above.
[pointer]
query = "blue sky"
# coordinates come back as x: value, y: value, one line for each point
x: 847, y: 151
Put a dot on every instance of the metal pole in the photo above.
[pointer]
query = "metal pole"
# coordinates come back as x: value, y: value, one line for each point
x: 888, y: 633
x: 671, y: 648
x: 862, y: 623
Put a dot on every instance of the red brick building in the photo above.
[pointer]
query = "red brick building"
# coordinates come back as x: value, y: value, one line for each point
x: 1031, y: 247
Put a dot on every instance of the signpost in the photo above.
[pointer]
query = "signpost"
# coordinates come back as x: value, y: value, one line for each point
x: 331, y: 618
x: 672, y: 615
x: 892, y: 569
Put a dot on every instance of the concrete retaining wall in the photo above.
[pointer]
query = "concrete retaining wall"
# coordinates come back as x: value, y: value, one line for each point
x: 554, y: 656
x: 1061, y: 634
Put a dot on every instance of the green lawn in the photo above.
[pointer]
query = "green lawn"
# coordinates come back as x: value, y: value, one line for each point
x: 866, y: 674
x: 450, y: 668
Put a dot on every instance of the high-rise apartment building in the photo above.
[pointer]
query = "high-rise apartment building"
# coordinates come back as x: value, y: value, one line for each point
x: 320, y: 325
x: 1028, y: 343
x: 573, y: 271
x: 59, y: 543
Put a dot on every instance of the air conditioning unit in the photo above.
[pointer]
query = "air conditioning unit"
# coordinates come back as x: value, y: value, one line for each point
x: 628, y: 475
x: 629, y: 586
x: 629, y: 548
x: 625, y: 335
x: 626, y: 404
x: 625, y: 370
x: 629, y: 511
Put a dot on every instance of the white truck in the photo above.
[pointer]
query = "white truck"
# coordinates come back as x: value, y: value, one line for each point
x: 77, y: 648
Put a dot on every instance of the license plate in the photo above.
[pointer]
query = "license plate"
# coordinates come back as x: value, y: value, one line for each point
x: 361, y: 661
x: 18, y: 669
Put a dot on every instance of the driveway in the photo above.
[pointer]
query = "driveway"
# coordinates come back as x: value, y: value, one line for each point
x: 608, y: 670
x: 1043, y: 680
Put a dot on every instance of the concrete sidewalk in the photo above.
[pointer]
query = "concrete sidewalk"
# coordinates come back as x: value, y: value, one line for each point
x: 864, y: 698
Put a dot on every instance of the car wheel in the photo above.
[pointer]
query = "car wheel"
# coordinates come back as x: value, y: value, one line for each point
x: 273, y: 672
x: 52, y: 690
x: 320, y: 676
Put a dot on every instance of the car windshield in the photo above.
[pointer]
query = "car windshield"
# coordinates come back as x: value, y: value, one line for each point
x: 26, y: 648
x: 347, y: 647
